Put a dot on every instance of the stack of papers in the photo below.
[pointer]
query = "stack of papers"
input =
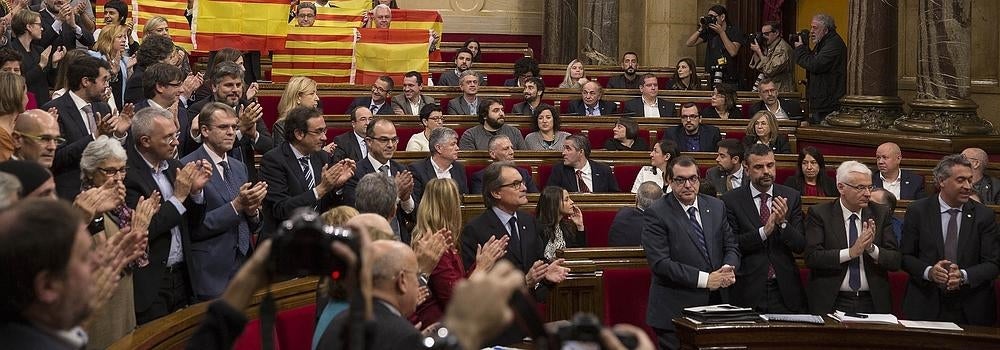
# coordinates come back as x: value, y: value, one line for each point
x: 800, y: 318
x: 840, y: 316
x: 721, y: 313
x: 943, y: 326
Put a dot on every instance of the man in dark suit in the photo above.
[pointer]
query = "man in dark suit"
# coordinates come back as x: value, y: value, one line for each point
x: 220, y: 243
x: 729, y: 173
x: 82, y: 118
x: 767, y: 221
x: 648, y: 105
x: 379, y: 102
x: 71, y: 26
x: 626, y: 228
x: 382, y: 140
x: 691, y: 250
x: 352, y: 145
x: 825, y: 65
x: 154, y: 49
x: 692, y: 135
x: 591, y: 102
x: 534, y: 89
x: 850, y: 247
x: 161, y: 84
x: 442, y: 163
x: 299, y: 173
x: 628, y: 78
x: 901, y: 183
x: 782, y: 108
x: 412, y: 100
x: 463, y: 63
x: 501, y: 150
x: 252, y: 137
x: 950, y: 251
x: 164, y: 285
x: 577, y: 173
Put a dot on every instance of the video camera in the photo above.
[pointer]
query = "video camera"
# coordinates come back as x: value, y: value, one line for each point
x: 301, y: 247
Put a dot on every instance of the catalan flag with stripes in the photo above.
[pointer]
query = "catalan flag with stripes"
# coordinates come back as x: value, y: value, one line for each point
x: 172, y: 11
x: 248, y: 25
x: 339, y: 17
x: 324, y: 54
x: 353, y: 4
x: 391, y: 52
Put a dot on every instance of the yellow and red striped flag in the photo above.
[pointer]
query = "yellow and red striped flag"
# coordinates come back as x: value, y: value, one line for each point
x: 248, y: 25
x: 172, y: 11
x: 391, y: 52
x: 339, y: 17
x: 324, y: 54
x: 353, y: 4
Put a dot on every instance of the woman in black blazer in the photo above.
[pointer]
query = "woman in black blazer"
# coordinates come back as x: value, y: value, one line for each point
x: 810, y: 178
x: 626, y: 137
x: 559, y: 222
x: 763, y: 128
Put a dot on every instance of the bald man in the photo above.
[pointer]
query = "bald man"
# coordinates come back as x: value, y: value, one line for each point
x: 901, y: 183
x: 36, y: 135
x: 394, y: 297
x: 986, y: 186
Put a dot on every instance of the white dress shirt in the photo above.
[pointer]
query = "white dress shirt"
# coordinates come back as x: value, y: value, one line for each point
x: 892, y: 186
x: 845, y: 254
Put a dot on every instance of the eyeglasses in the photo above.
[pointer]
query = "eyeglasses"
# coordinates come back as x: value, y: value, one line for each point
x: 437, y: 119
x: 683, y: 180
x: 860, y: 188
x: 379, y: 89
x: 226, y: 126
x: 175, y: 84
x: 45, y: 138
x: 306, y: 15
x: 113, y: 171
x: 516, y: 184
x: 690, y: 117
x: 384, y: 139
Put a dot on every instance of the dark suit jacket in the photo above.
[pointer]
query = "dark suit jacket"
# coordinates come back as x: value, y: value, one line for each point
x: 401, y: 102
x: 36, y: 78
x: 779, y: 145
x: 214, y: 239
x: 708, y: 142
x: 825, y: 183
x: 635, y: 106
x: 363, y: 101
x: 186, y: 144
x: 458, y: 106
x: 912, y: 186
x: 139, y: 182
x: 245, y: 148
x: 24, y: 335
x: 639, y: 144
x: 602, y: 180
x: 521, y: 252
x: 477, y: 181
x: 66, y: 37
x: 522, y: 108
x: 423, y: 172
x: 757, y: 254
x: 133, y: 88
x: 364, y: 167
x: 66, y: 165
x: 626, y: 228
x: 675, y: 260
x: 391, y: 331
x: 715, y: 176
x: 347, y: 147
x: 577, y: 107
x: 792, y: 107
x: 923, y: 246
x: 826, y: 236
x: 286, y: 186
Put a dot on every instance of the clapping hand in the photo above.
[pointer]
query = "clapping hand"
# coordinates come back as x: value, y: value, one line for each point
x: 488, y: 254
x: 429, y: 247
x: 724, y: 277
x: 404, y: 183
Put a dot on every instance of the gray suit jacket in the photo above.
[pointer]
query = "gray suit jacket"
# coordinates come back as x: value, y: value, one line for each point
x: 715, y: 176
x: 399, y: 101
x: 458, y: 106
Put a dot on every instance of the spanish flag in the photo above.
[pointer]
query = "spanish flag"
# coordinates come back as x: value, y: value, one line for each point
x: 391, y: 52
x: 353, y: 4
x: 324, y: 54
x: 173, y: 12
x: 248, y: 25
x: 339, y: 17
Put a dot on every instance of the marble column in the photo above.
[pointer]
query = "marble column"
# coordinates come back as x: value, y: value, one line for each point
x: 871, y: 101
x: 942, y: 105
x: 559, y: 41
x: 598, y: 34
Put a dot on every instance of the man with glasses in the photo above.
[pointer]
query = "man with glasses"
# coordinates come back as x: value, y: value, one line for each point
x: 986, y: 186
x: 412, y: 100
x: 850, y: 248
x: 161, y: 85
x: 378, y: 102
x: 783, y: 109
x: 468, y: 102
x: 691, y: 250
x: 305, y: 14
x: 382, y: 141
x: 774, y: 60
x: 221, y: 242
x: 692, y: 135
x: 591, y: 102
x: 36, y: 137
x: 648, y: 104
x: 441, y: 164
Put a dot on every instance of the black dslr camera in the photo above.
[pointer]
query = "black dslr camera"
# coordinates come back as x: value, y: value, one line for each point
x: 584, y: 333
x: 759, y: 39
x: 706, y: 20
x: 801, y: 35
x: 301, y: 247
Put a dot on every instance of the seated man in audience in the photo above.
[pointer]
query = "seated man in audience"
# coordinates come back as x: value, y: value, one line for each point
x: 577, y: 173
x: 352, y: 145
x: 592, y: 101
x: 468, y: 102
x: 692, y: 135
x: 379, y: 199
x: 161, y: 85
x: 783, y: 109
x: 502, y: 150
x: 901, y: 183
x: 884, y: 197
x: 463, y: 62
x: 626, y: 228
x: 300, y: 173
x: 628, y: 78
x: 441, y: 164
x: 305, y: 14
x: 378, y: 102
x: 950, y: 251
x: 412, y: 100
x: 36, y: 137
x: 648, y: 104
x: 36, y: 181
x: 524, y: 68
x: 534, y: 88
x: 491, y: 119
x: 850, y: 248
x: 986, y: 186
x: 729, y: 173
x: 382, y: 140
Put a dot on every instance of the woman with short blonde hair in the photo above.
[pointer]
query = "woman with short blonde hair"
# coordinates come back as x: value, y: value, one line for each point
x: 300, y: 91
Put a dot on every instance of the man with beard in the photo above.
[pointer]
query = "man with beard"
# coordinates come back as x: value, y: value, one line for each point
x: 825, y: 65
x: 648, y: 104
x: 692, y: 135
x: 463, y: 62
x: 501, y: 150
x: 774, y: 61
x: 412, y: 100
x: 577, y: 173
x: 783, y: 109
x: 491, y: 119
x: 378, y: 102
x: 767, y: 221
x: 36, y: 137
x: 628, y: 79
x: 534, y: 88
x: 729, y: 173
x: 252, y: 137
x: 591, y: 102
x: 468, y: 103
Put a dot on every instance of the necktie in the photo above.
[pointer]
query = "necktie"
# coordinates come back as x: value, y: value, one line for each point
x: 226, y: 176
x: 373, y: 108
x: 693, y: 218
x: 591, y: 110
x: 515, y: 234
x: 243, y: 232
x: 580, y: 183
x: 951, y: 238
x: 364, y: 150
x: 765, y: 214
x: 88, y: 110
x: 729, y: 182
x: 384, y: 169
x: 308, y: 171
x: 854, y: 280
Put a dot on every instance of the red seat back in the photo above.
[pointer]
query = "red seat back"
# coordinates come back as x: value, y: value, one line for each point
x: 626, y: 294
x: 781, y: 174
x: 293, y: 330
x: 598, y: 224
x: 544, y: 170
x: 405, y: 133
x: 625, y: 174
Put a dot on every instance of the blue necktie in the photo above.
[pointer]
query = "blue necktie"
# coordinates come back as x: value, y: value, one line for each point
x: 308, y: 171
x: 854, y: 280
x: 698, y: 230
x: 243, y: 232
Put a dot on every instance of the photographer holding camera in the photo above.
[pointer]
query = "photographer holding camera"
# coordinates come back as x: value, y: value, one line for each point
x: 724, y: 40
x: 772, y: 57
x: 826, y: 66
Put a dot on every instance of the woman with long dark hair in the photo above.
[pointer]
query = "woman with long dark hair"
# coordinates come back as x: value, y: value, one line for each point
x: 559, y: 221
x: 685, y: 77
x: 723, y: 103
x: 810, y: 179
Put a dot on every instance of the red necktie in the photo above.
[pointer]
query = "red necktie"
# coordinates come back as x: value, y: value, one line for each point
x: 765, y: 214
x: 579, y: 182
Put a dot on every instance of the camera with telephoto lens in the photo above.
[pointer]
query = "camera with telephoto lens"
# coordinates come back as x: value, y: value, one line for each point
x: 717, y: 74
x: 584, y: 332
x: 301, y: 247
x: 759, y: 39
x: 706, y: 20
x: 801, y: 35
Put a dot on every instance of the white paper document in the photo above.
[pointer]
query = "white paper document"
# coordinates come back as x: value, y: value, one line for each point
x: 944, y: 326
x: 869, y: 318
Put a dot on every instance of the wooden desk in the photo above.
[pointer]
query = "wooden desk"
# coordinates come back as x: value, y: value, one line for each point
x: 782, y: 335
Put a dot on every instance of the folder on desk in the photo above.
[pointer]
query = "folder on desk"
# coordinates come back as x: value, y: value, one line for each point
x: 842, y: 317
x: 721, y: 313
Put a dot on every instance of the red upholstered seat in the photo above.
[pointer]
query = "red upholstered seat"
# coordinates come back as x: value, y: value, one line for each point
x: 334, y: 132
x: 336, y: 104
x: 598, y: 224
x: 250, y: 339
x: 544, y: 170
x: 404, y: 133
x: 781, y: 174
x: 736, y: 135
x: 269, y: 104
x: 626, y: 293
x: 625, y: 175
x: 897, y: 289
x: 598, y: 136
x: 293, y: 330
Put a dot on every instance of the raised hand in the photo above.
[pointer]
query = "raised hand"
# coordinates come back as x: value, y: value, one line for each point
x: 721, y: 278
x: 864, y: 241
x: 144, y: 211
x: 248, y: 118
x: 106, y: 124
x: 191, y: 83
x: 577, y: 218
x: 429, y: 248
x: 252, y: 91
x: 250, y: 198
x: 488, y: 254
x: 99, y: 200
x: 183, y: 181
x: 939, y: 273
x: 404, y: 183
x: 535, y: 273
x: 202, y: 173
